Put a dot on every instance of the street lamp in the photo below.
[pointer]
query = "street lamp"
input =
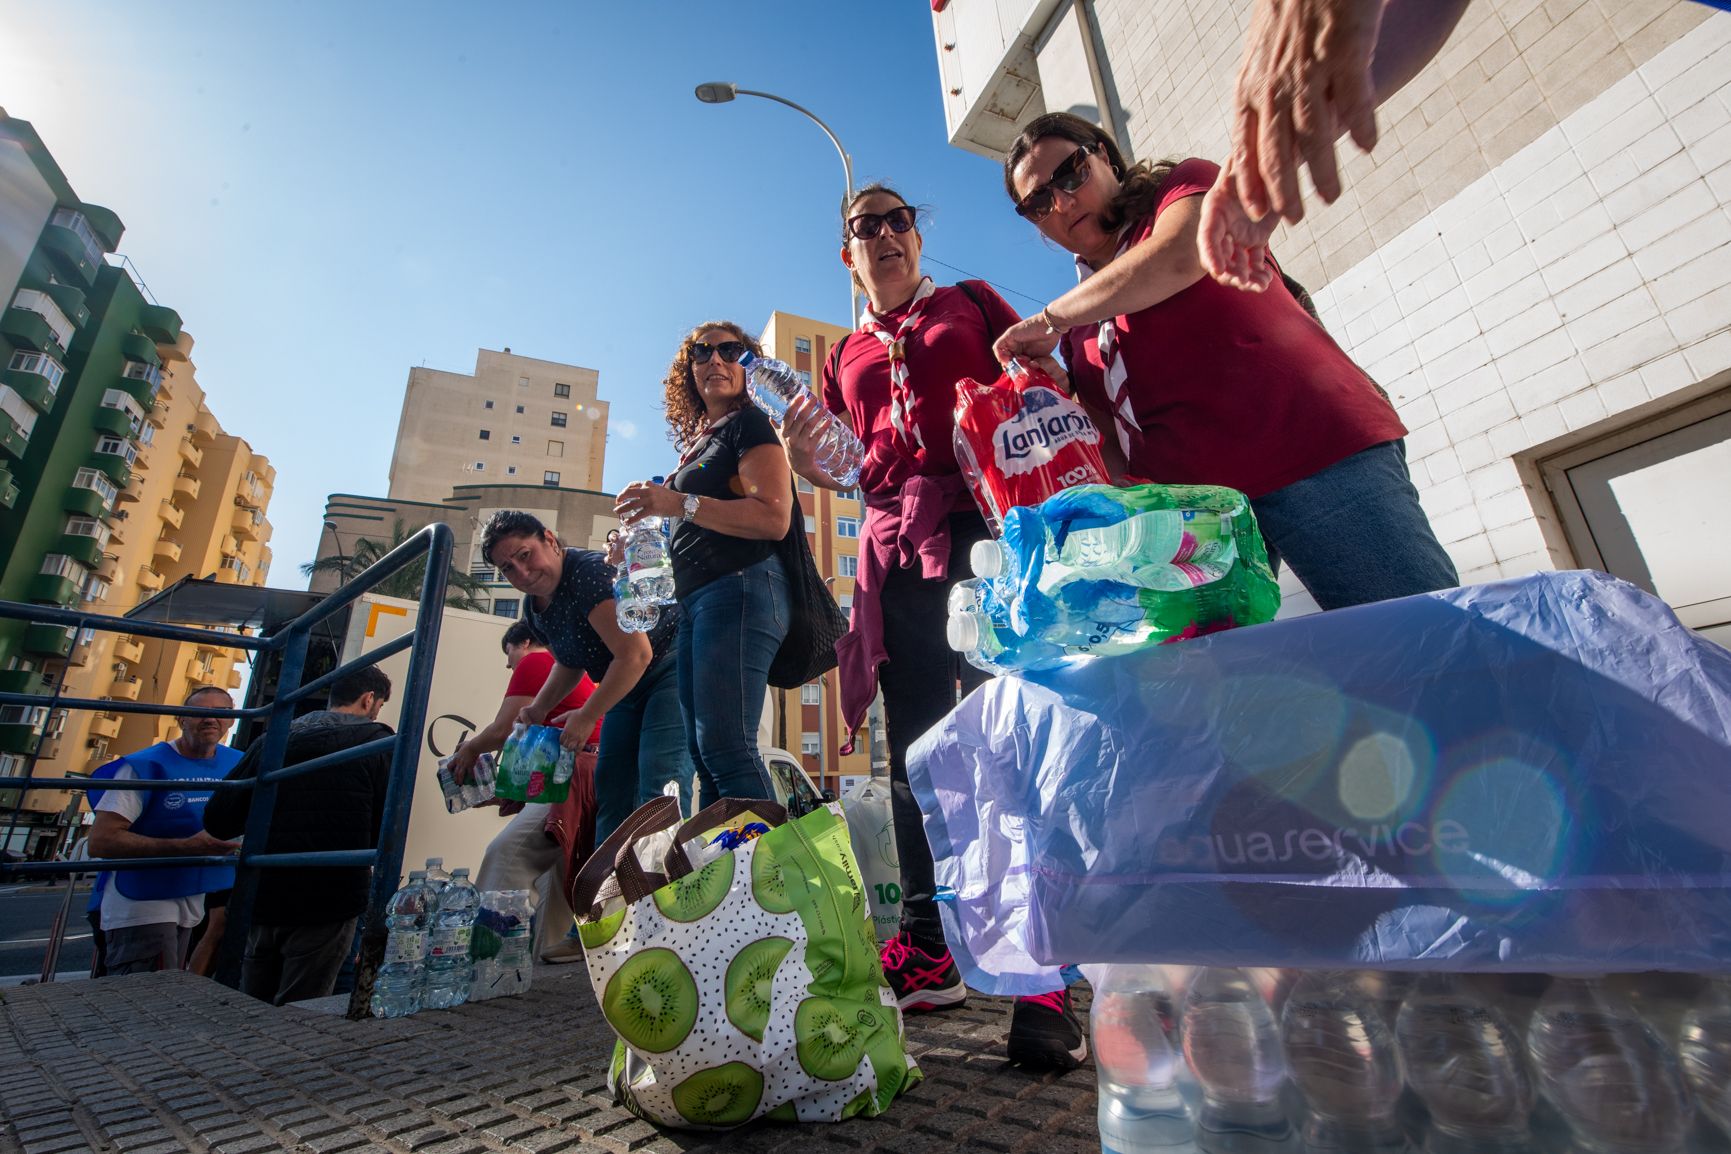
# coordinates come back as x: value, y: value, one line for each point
x: 723, y: 91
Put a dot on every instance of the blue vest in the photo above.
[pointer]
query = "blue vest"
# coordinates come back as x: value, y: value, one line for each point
x: 171, y: 813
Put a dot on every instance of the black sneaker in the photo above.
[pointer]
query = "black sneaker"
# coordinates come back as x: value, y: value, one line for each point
x: 1045, y: 1033
x: 921, y: 978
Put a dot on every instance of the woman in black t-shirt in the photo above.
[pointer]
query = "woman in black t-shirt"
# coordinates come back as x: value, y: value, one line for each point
x: 731, y: 502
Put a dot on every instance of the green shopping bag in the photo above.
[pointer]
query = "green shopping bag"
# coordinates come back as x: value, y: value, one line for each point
x: 745, y: 983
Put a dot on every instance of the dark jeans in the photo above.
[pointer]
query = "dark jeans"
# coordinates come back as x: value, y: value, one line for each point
x: 922, y: 681
x: 642, y: 748
x: 1355, y: 532
x: 729, y: 632
x: 286, y: 964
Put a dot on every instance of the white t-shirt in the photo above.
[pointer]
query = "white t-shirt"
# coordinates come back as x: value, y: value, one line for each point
x: 120, y: 911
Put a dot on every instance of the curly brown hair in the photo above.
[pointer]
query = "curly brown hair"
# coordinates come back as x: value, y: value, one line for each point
x: 1139, y: 185
x: 686, y: 416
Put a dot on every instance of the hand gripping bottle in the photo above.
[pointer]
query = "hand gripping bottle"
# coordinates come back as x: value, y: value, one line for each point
x: 1020, y: 439
x: 645, y: 580
x: 773, y: 386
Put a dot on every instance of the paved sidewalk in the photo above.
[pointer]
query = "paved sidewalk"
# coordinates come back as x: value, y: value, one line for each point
x: 164, y: 1063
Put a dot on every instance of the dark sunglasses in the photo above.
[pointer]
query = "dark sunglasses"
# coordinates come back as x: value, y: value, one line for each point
x: 730, y: 352
x: 868, y: 224
x: 1067, y: 177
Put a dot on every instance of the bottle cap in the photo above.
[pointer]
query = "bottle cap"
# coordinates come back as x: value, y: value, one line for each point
x: 986, y: 558
x: 963, y: 632
x: 435, y: 861
x: 417, y: 875
x: 460, y: 872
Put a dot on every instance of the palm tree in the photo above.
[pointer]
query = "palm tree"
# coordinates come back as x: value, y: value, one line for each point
x: 461, y: 590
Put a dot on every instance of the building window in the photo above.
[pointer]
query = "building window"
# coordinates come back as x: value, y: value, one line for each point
x: 486, y: 434
x: 60, y: 565
x: 555, y: 448
x: 561, y: 390
x: 804, y: 377
x: 510, y: 470
x: 848, y: 495
x: 86, y: 527
x: 480, y: 466
x: 802, y: 344
x: 550, y: 478
x: 96, y: 482
x: 507, y: 606
x: 558, y: 420
x: 515, y: 439
x: 522, y: 382
x: 117, y: 447
x: 845, y: 601
x: 847, y: 565
x: 847, y: 526
x: 808, y: 744
x: 488, y: 404
x: 45, y: 367
x: 810, y: 523
x: 95, y: 589
x: 810, y: 694
x: 805, y: 485
x: 519, y: 408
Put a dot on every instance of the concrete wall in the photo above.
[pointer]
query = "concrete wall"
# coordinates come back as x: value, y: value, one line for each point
x: 26, y: 201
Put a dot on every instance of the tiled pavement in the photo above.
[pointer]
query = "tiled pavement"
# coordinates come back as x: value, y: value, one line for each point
x: 162, y: 1063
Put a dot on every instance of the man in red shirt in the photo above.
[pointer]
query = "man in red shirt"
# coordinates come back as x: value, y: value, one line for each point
x: 525, y: 852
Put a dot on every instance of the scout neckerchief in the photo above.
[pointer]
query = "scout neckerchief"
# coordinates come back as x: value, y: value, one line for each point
x: 901, y: 396
x: 1117, y: 377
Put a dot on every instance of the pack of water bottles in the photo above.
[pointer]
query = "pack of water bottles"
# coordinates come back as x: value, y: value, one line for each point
x: 1227, y: 1059
x: 429, y: 923
x: 501, y: 947
x: 475, y: 789
x: 1096, y: 570
x: 534, y: 767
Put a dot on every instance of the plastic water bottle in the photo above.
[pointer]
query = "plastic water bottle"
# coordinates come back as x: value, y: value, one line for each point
x: 646, y: 573
x: 1232, y: 1042
x: 773, y: 386
x: 1705, y: 1048
x: 635, y: 614
x: 397, y: 985
x: 1343, y: 1056
x: 1608, y: 1073
x: 437, y: 878
x: 448, y: 964
x: 501, y: 946
x: 1140, y: 1109
x: 1464, y: 1061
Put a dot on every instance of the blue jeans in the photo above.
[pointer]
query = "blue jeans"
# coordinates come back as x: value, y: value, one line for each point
x: 642, y: 749
x: 1355, y: 532
x: 729, y: 632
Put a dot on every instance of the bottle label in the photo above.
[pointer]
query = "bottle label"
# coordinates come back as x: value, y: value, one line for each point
x: 449, y: 942
x: 405, y: 946
x: 1031, y: 438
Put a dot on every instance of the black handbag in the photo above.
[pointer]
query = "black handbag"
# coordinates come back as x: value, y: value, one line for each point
x: 815, y: 621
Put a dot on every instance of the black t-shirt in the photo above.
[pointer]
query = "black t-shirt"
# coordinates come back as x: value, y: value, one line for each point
x: 712, y: 472
x: 564, y: 625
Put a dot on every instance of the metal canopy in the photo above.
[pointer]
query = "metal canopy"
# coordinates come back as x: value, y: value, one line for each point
x: 203, y: 601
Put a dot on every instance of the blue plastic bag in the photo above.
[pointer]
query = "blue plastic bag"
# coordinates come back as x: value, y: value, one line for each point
x: 1533, y: 775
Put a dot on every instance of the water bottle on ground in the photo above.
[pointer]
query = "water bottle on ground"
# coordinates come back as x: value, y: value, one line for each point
x: 1464, y: 1061
x: 1232, y: 1042
x: 501, y: 946
x: 449, y: 967
x: 437, y: 878
x: 773, y: 386
x: 1343, y: 1056
x: 1610, y: 1075
x: 1705, y: 1045
x: 397, y: 985
x: 1140, y: 1109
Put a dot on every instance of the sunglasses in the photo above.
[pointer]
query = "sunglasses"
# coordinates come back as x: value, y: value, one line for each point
x: 868, y: 224
x: 730, y: 352
x: 1067, y: 177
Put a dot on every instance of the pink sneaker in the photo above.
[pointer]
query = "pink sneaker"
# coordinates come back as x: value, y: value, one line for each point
x: 922, y: 980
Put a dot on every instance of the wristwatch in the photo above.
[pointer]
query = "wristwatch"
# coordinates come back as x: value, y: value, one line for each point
x: 691, y: 502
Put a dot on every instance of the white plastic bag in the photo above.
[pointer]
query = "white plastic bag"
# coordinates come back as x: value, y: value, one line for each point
x: 871, y: 825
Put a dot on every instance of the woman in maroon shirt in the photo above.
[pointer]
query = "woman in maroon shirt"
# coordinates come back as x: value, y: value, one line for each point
x: 894, y: 383
x: 1194, y: 382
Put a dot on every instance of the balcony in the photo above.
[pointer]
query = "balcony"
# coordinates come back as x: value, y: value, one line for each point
x: 141, y: 379
x: 117, y: 422
x: 233, y: 571
x: 157, y: 414
x: 35, y: 377
x: 228, y: 546
x: 246, y: 523
x: 72, y: 246
x: 85, y: 502
x: 105, y: 725
x: 114, y: 461
x: 149, y: 579
x: 199, y: 672
x: 160, y: 323
x: 38, y: 304
x: 129, y: 651
x: 48, y: 640
x: 186, y: 486
x: 124, y: 688
x: 53, y: 589
x: 70, y: 302
x: 190, y: 453
x: 20, y: 681
x: 87, y: 551
x: 81, y: 646
x: 167, y: 550
x: 204, y: 426
x: 109, y: 567
x: 133, y: 490
x: 25, y: 328
x: 171, y: 513
x: 138, y: 347
x: 179, y: 352
x: 233, y: 679
x: 14, y: 439
x: 5, y: 483
x: 19, y: 738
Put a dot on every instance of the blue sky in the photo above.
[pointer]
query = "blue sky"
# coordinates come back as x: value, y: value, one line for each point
x: 331, y: 193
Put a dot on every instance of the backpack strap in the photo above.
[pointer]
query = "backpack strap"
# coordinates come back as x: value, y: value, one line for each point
x: 833, y: 367
x: 979, y: 304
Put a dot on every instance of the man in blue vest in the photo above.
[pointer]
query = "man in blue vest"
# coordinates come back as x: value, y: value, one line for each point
x: 148, y: 914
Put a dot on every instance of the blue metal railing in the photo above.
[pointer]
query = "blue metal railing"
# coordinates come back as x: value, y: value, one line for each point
x: 291, y: 642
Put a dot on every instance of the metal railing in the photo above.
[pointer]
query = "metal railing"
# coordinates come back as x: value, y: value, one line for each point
x: 291, y: 642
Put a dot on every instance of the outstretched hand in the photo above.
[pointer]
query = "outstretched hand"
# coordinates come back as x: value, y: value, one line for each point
x: 1304, y: 79
x: 1232, y: 246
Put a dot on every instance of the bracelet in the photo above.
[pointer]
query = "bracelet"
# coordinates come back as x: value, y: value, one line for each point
x: 1053, y: 328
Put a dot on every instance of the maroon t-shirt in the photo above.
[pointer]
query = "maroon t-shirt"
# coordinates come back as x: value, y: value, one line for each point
x: 1229, y: 387
x: 952, y: 340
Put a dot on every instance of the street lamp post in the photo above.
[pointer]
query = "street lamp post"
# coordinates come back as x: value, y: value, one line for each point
x: 722, y: 91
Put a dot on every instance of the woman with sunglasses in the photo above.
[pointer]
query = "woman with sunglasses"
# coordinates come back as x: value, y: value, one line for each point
x: 894, y: 382
x: 731, y: 503
x: 1195, y: 382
